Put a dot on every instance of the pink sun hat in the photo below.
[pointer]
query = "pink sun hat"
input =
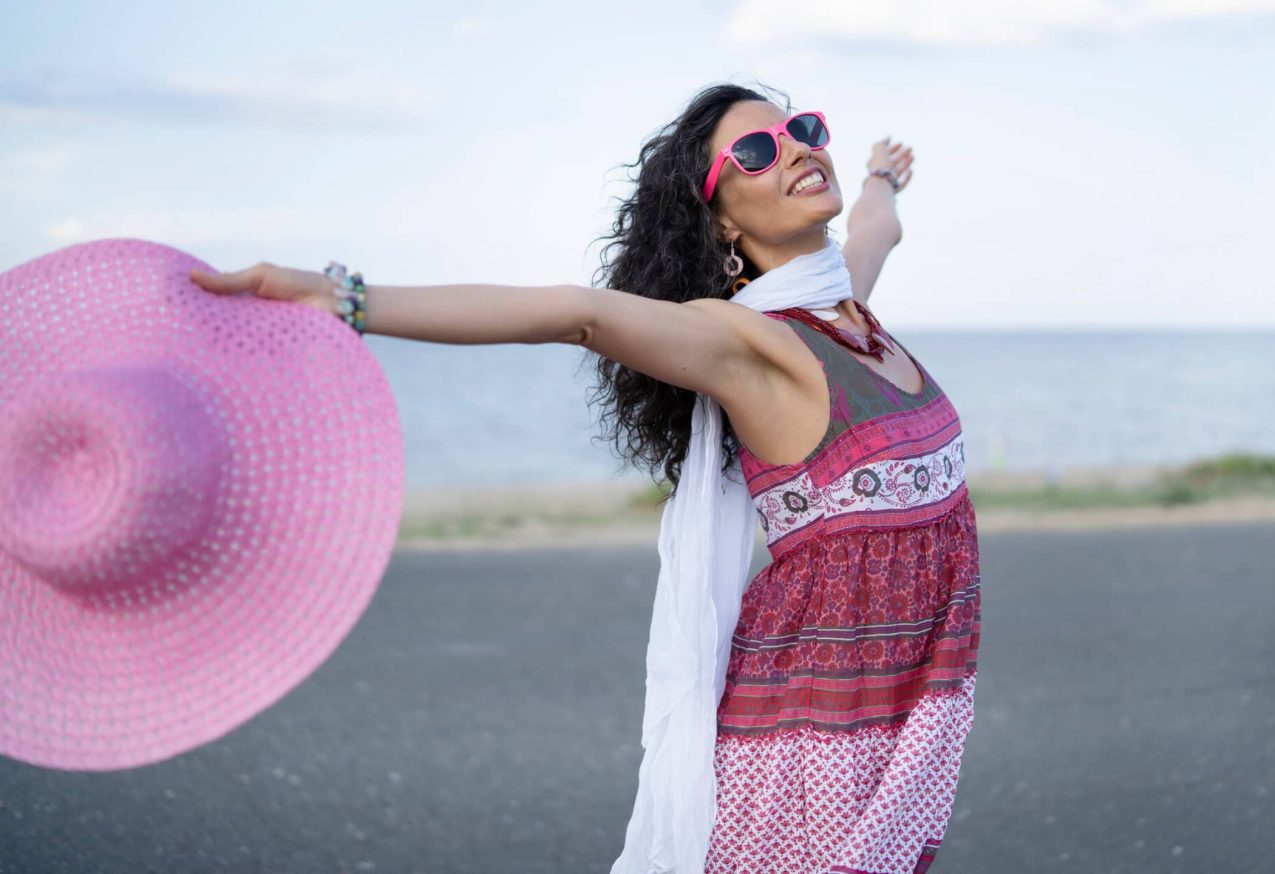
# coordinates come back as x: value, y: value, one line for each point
x: 199, y: 495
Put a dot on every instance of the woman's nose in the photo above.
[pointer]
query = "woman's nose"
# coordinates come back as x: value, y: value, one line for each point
x: 793, y: 147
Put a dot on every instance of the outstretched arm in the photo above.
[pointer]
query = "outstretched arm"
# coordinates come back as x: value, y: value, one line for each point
x: 875, y: 228
x: 706, y: 345
x: 473, y: 313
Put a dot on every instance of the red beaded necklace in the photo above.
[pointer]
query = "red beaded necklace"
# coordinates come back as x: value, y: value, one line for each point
x: 874, y: 343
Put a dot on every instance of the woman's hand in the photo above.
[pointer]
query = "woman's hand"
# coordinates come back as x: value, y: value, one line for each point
x: 873, y: 223
x: 274, y: 283
x: 894, y: 157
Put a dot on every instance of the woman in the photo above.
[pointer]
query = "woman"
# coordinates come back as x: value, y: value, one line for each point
x: 849, y: 689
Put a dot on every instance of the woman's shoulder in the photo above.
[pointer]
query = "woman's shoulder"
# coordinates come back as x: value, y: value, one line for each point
x: 759, y: 329
x: 776, y: 336
x: 776, y: 348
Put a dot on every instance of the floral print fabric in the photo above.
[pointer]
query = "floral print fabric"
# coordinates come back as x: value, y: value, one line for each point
x: 850, y: 686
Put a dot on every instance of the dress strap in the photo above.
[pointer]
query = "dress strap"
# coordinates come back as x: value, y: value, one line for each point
x: 808, y: 335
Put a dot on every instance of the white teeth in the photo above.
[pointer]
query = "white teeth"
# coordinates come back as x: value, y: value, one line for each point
x: 813, y: 179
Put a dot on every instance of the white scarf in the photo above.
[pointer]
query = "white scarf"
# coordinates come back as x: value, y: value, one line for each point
x: 706, y: 545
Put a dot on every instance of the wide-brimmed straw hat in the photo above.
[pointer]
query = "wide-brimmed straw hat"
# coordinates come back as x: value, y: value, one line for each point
x: 199, y: 495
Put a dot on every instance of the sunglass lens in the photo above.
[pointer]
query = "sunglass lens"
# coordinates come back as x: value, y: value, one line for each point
x: 809, y: 129
x: 755, y: 151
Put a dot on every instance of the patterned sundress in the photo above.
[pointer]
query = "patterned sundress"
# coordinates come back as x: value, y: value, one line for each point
x: 850, y: 686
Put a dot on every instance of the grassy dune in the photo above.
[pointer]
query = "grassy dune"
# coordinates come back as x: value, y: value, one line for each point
x: 1234, y: 485
x: 1235, y: 475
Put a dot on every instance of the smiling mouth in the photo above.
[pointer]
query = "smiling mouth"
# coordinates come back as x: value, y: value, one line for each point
x: 804, y: 182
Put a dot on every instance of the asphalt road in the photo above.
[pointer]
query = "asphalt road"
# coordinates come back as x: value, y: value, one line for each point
x: 485, y: 716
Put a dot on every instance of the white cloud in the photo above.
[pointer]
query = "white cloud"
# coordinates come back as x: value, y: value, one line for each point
x: 358, y: 88
x: 48, y: 160
x: 36, y: 172
x: 972, y: 22
x: 197, y: 225
x: 475, y: 25
x: 68, y: 230
x: 302, y: 92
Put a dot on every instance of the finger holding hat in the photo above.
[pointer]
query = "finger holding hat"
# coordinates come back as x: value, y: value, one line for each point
x: 271, y: 282
x: 194, y: 510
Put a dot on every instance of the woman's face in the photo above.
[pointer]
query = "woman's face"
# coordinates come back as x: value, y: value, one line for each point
x: 760, y: 210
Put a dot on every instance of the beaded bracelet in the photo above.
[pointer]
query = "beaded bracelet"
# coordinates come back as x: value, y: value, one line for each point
x: 885, y: 173
x: 352, y: 307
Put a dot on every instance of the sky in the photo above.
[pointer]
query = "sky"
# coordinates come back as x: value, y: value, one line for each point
x: 1086, y: 165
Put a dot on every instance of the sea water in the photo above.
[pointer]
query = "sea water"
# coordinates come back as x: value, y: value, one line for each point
x: 1028, y: 400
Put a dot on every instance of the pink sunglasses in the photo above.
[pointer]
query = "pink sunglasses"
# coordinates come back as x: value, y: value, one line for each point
x: 758, y: 150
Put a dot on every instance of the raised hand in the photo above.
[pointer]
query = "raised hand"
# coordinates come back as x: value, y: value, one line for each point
x: 892, y: 156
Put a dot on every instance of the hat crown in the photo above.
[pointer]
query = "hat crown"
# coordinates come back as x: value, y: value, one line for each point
x: 109, y: 474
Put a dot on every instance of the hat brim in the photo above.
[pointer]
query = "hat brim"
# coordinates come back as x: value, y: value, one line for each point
x: 305, y: 528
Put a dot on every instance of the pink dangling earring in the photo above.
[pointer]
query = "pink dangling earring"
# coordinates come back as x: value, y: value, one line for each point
x: 733, y: 265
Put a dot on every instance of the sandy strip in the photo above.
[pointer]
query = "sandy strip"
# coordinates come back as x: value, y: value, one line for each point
x: 533, y: 512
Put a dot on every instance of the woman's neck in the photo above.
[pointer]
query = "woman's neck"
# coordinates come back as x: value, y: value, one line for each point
x: 849, y: 317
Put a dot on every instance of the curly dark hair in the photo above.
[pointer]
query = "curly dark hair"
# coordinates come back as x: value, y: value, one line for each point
x: 670, y: 248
